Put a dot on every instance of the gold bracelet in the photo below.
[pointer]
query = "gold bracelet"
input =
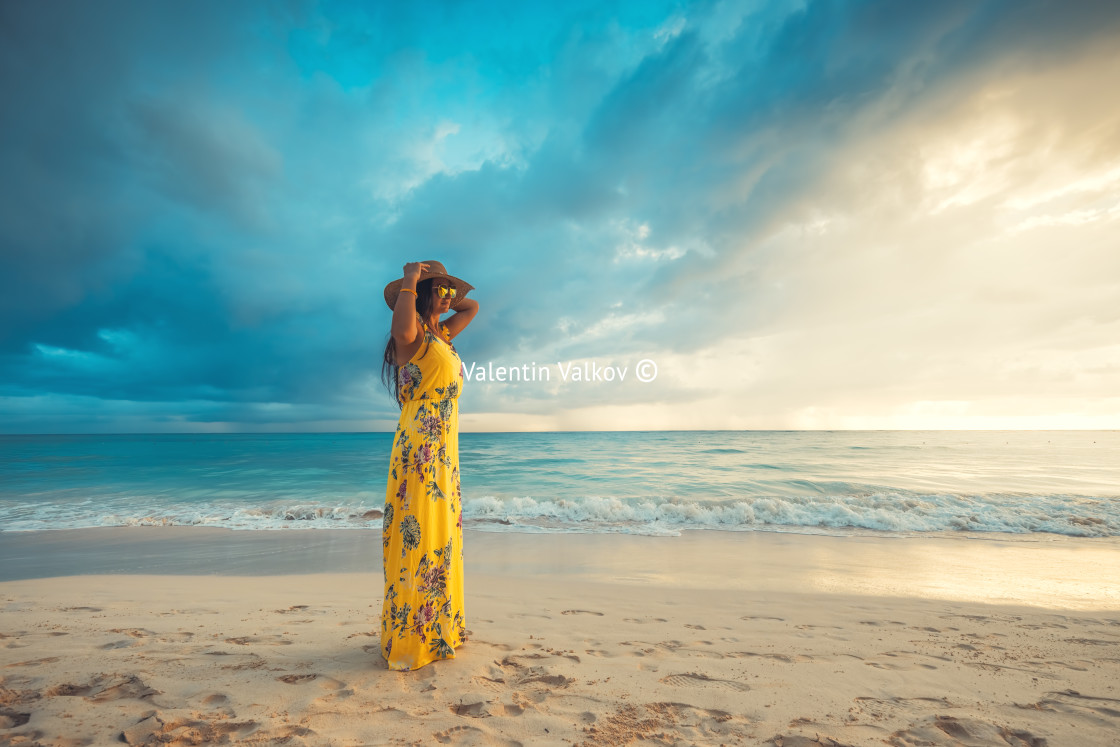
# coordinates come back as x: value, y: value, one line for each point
x: 409, y: 290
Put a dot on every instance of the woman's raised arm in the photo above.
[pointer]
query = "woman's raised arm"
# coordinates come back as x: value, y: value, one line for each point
x: 405, y: 330
x: 463, y: 315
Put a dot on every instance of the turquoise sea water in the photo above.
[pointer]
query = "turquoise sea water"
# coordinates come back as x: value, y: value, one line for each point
x: 1017, y: 484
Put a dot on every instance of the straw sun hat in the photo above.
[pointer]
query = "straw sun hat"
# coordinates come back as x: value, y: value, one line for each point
x: 435, y: 270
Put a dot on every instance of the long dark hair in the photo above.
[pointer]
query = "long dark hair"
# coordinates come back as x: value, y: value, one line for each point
x: 389, y: 367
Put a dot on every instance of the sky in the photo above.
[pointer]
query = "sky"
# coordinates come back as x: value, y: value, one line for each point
x: 797, y: 215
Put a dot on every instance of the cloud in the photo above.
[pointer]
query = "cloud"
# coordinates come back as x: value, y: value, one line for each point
x: 212, y: 160
x: 810, y: 214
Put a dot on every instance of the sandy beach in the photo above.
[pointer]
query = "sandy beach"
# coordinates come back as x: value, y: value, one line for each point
x: 180, y: 635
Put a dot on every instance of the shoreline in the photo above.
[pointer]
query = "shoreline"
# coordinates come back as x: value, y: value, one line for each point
x: 1064, y: 573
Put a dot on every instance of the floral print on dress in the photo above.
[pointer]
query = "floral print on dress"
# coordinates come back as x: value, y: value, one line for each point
x: 422, y: 616
x: 409, y: 377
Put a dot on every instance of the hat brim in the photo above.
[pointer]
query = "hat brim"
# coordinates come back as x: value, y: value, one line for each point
x: 393, y: 289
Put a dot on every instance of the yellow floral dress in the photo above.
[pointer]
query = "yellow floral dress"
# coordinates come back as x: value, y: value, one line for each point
x: 422, y: 611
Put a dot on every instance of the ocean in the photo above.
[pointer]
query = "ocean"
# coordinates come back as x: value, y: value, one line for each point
x: 1014, y: 484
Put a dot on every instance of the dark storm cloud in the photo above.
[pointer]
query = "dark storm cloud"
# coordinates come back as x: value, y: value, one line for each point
x: 129, y: 193
x: 70, y: 209
x: 212, y: 161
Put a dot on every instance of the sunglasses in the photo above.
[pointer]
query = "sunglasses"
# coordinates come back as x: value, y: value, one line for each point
x: 446, y: 291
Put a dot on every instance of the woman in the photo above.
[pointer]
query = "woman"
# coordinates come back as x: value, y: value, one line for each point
x: 422, y: 612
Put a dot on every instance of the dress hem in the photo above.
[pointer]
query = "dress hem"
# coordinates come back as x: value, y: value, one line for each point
x: 421, y: 666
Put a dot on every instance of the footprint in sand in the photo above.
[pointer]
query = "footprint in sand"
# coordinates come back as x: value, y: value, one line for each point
x: 471, y: 735
x: 516, y: 705
x: 139, y: 635
x: 336, y: 696
x: 131, y: 687
x: 257, y: 663
x: 974, y: 618
x: 133, y: 632
x: 295, y: 679
x: 457, y: 733
x: 368, y: 634
x: 944, y: 730
x: 193, y: 611
x: 581, y: 612
x: 471, y: 710
x: 694, y: 679
x: 272, y: 640
x: 644, y: 647
x: 67, y: 690
x: 332, y: 685
x: 154, y: 729
x: 784, y: 658
x: 517, y: 673
x: 1077, y: 666
x: 899, y: 665
x: 179, y: 636
x: 34, y: 662
x: 906, y: 703
x: 498, y: 684
x: 570, y: 655
x: 796, y: 740
x: 552, y: 680
x: 644, y: 620
x: 104, y: 688
x: 1072, y: 702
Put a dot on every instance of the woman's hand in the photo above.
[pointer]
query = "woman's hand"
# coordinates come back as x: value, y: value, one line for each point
x: 412, y: 272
